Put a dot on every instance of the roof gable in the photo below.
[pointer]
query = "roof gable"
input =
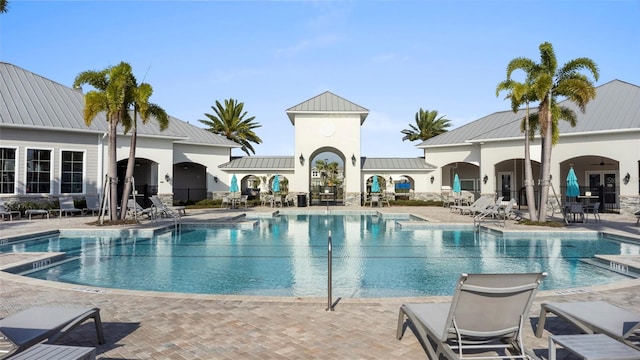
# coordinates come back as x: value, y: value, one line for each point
x: 327, y: 102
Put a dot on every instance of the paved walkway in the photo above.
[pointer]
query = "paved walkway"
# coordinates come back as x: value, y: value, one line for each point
x: 146, y: 325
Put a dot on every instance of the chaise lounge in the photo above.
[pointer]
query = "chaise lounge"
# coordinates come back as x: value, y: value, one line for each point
x: 34, y: 325
x: 597, y: 317
x: 487, y: 313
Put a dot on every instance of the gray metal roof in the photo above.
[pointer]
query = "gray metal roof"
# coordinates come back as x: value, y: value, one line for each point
x: 260, y: 163
x: 405, y: 164
x: 327, y: 102
x: 29, y: 100
x: 616, y: 107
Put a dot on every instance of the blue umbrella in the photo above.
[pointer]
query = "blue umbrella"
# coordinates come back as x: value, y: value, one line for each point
x: 456, y: 184
x: 234, y: 184
x: 275, y: 185
x: 573, y: 189
x: 375, y: 187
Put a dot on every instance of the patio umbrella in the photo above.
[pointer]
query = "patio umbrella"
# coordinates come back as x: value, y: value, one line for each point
x: 375, y: 186
x: 456, y: 184
x: 275, y: 185
x: 234, y: 184
x: 573, y: 189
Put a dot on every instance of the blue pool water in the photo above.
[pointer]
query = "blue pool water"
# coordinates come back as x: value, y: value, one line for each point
x: 287, y: 256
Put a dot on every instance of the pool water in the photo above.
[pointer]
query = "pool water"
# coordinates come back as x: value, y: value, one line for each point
x: 287, y: 256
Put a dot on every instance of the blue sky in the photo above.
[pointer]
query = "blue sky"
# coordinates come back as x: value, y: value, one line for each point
x: 391, y: 57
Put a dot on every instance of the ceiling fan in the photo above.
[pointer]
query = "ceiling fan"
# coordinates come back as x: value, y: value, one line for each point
x: 602, y: 163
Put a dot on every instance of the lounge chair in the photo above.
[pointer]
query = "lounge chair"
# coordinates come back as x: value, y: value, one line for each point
x: 134, y: 209
x: 34, y: 325
x: 66, y: 206
x: 4, y: 212
x: 166, y: 211
x: 93, y: 205
x: 479, y: 205
x: 591, y: 317
x: 487, y: 312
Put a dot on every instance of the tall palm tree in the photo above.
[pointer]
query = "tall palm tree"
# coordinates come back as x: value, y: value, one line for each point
x: 4, y: 6
x: 140, y: 105
x: 548, y: 83
x: 229, y: 121
x: 522, y: 93
x: 113, y: 87
x: 428, y: 125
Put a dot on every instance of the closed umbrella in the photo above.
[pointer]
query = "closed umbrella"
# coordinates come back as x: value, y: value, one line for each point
x: 234, y: 184
x: 275, y: 186
x: 456, y: 184
x: 573, y: 189
x: 375, y: 186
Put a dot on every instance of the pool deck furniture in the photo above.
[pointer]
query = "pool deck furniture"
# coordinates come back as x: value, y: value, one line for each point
x: 487, y: 312
x: 66, y: 207
x: 8, y: 213
x: 592, y: 347
x: 56, y: 352
x: 594, y: 317
x: 41, y: 212
x: 134, y: 209
x: 93, y: 205
x: 34, y: 325
x: 166, y: 211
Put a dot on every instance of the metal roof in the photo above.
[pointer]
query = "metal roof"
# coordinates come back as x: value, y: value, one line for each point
x: 405, y: 164
x: 616, y: 107
x: 260, y: 163
x: 29, y: 100
x: 327, y: 102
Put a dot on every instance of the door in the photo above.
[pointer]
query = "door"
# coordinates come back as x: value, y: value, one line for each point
x: 604, y: 184
x: 505, y: 185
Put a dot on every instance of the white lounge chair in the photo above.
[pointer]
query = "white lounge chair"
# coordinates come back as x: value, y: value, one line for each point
x: 134, y: 209
x: 487, y: 313
x: 166, y: 211
x: 597, y: 317
x: 37, y: 324
x: 480, y: 204
x: 5, y: 212
x: 67, y: 206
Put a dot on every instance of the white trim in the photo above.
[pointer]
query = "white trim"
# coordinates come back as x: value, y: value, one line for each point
x: 16, y: 164
x: 51, y: 169
x: 443, y: 145
x: 84, y: 171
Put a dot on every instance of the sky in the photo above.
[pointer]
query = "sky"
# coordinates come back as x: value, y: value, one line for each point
x: 390, y: 57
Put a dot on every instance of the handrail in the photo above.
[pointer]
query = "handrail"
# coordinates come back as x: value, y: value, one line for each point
x: 329, y: 272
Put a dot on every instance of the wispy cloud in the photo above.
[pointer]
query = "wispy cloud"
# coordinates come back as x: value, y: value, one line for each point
x: 305, y: 45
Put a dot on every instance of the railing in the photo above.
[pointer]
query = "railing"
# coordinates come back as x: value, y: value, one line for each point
x: 606, y: 196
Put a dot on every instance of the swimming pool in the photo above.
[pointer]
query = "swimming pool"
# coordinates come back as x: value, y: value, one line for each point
x: 373, y: 256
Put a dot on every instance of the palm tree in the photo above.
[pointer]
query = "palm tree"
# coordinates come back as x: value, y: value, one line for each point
x: 323, y: 166
x: 4, y: 6
x: 113, y: 87
x: 428, y: 125
x: 229, y: 121
x: 140, y: 105
x: 548, y: 82
x: 519, y: 93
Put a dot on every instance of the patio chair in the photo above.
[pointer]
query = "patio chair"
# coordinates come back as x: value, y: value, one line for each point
x: 244, y: 200
x: 134, y: 209
x: 487, y: 312
x: 93, y: 205
x: 225, y: 202
x: 595, y: 211
x: 34, y: 325
x: 598, y: 317
x: 480, y: 204
x: 166, y: 211
x: 5, y: 212
x: 67, y: 206
x: 574, y: 212
x: 277, y: 201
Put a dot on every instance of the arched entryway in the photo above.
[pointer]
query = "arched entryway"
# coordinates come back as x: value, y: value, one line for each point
x: 326, y: 177
x: 469, y: 175
x: 599, y: 180
x: 145, y: 177
x: 189, y: 182
x: 510, y: 179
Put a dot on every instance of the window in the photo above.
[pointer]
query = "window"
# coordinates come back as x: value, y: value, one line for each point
x: 7, y: 171
x: 38, y: 171
x: 72, y: 172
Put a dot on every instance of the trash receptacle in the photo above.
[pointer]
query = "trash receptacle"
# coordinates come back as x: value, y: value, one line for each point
x: 302, y: 200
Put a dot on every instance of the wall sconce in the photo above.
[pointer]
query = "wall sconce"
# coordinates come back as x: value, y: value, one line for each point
x: 353, y: 159
x: 432, y: 179
x: 485, y: 179
x: 167, y: 177
x: 390, y: 179
x: 301, y: 159
x: 215, y: 178
x: 626, y: 178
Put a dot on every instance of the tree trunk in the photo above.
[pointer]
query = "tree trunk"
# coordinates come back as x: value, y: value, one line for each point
x: 547, y: 141
x: 131, y: 163
x: 113, y: 171
x: 528, y: 173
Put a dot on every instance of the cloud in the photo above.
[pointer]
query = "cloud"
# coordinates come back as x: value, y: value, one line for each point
x: 303, y: 46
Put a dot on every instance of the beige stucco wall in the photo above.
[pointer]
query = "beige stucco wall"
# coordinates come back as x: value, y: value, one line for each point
x: 210, y: 157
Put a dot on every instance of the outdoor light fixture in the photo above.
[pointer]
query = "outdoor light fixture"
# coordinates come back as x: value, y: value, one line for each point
x: 626, y: 178
x: 485, y: 178
x: 432, y: 179
x: 390, y: 179
x: 167, y: 177
x: 301, y: 159
x: 353, y: 159
x: 215, y: 178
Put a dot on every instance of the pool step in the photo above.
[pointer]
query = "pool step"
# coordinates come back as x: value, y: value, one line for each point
x: 620, y: 268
